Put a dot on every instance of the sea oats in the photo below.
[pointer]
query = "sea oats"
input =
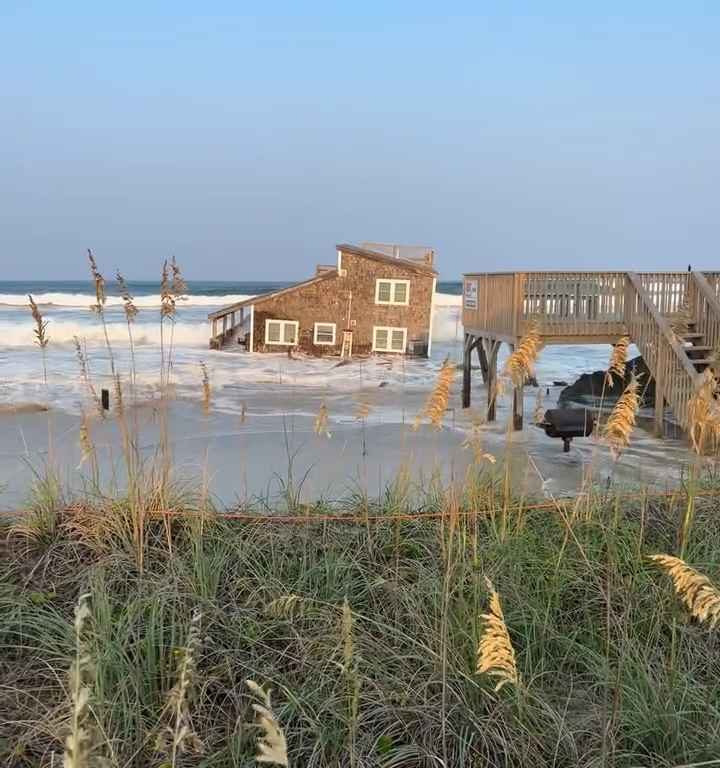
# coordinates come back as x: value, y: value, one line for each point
x: 521, y: 363
x: 272, y: 747
x: 99, y: 281
x: 179, y: 733
x: 700, y: 596
x: 621, y: 420
x: 618, y: 360
x: 321, y: 422
x: 437, y: 401
x: 207, y: 392
x: 474, y: 441
x: 81, y: 744
x: 704, y: 412
x: 131, y: 311
x: 495, y: 653
x: 41, y: 338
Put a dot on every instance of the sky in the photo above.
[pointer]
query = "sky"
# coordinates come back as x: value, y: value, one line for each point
x: 247, y: 139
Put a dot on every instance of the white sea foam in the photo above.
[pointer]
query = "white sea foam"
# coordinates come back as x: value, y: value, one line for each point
x: 84, y: 300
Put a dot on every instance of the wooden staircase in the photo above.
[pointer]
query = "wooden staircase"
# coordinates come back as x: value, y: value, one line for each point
x: 676, y: 362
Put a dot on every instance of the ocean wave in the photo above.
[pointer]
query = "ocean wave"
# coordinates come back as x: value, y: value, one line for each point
x: 447, y: 326
x: 84, y: 300
x: 62, y: 332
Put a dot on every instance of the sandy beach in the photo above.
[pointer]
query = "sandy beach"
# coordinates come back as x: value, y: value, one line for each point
x: 241, y: 458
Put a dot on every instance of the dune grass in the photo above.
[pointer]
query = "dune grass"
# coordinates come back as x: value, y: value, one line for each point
x: 368, y: 636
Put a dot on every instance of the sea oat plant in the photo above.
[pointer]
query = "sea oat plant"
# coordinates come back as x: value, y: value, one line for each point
x: 131, y: 312
x: 41, y: 337
x: 700, y: 596
x: 179, y: 732
x: 618, y: 360
x: 271, y: 744
x: 206, y: 390
x: 474, y: 441
x: 350, y: 673
x: 621, y: 421
x: 81, y: 744
x: 521, y: 363
x: 495, y: 653
x: 321, y: 422
x: 437, y: 401
x: 681, y: 321
x: 704, y: 412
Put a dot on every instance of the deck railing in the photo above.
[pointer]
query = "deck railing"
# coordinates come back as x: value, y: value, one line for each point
x: 565, y: 304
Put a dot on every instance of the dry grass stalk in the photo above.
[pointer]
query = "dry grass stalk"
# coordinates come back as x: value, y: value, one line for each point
x: 131, y: 311
x: 681, y: 321
x: 86, y: 445
x: 178, y: 286
x: 81, y: 744
x: 286, y: 607
x: 321, y: 422
x: 180, y: 734
x: 363, y: 408
x: 272, y: 747
x: 99, y: 284
x: 85, y: 374
x: 621, y: 421
x: 207, y: 392
x: 167, y: 296
x: 704, y: 412
x: 41, y: 337
x: 700, y: 596
x: 521, y: 363
x: 437, y: 402
x: 474, y: 441
x: 618, y: 360
x: 495, y: 654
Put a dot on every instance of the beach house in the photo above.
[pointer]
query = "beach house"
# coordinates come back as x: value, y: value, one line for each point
x: 377, y: 298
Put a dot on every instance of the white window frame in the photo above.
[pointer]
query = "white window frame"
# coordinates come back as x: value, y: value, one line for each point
x: 283, y: 323
x: 389, y: 329
x: 325, y: 343
x: 393, y: 283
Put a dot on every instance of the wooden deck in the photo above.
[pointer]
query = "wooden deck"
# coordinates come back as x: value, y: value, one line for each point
x: 596, y: 308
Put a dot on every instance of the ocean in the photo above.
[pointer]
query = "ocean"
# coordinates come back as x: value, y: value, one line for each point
x: 66, y: 307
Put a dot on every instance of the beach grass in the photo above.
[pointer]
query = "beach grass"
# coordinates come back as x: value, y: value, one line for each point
x: 368, y: 633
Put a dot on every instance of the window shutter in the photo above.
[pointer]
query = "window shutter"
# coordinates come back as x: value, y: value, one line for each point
x: 273, y: 331
x: 398, y: 340
x: 384, y: 293
x: 381, y: 339
x: 401, y: 292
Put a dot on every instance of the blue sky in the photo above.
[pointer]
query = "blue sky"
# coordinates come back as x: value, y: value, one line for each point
x: 249, y: 138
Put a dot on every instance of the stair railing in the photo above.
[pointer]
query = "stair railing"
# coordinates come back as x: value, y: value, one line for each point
x: 706, y: 307
x: 665, y: 357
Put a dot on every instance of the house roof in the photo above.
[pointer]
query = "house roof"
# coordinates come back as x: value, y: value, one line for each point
x: 271, y: 295
x: 387, y: 259
x: 416, y: 266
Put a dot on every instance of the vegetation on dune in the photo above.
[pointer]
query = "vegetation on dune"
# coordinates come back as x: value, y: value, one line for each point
x: 384, y: 643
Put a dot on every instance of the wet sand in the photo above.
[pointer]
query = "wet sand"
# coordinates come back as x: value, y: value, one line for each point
x: 241, y: 460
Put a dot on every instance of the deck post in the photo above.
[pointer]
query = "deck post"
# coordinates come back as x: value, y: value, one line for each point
x: 517, y: 409
x: 660, y: 398
x: 467, y: 369
x: 482, y: 359
x: 492, y: 379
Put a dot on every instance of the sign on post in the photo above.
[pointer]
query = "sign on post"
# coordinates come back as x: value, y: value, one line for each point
x: 471, y: 294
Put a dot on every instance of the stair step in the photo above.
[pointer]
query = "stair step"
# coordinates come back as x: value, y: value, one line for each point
x: 691, y: 336
x: 704, y: 362
x: 697, y: 348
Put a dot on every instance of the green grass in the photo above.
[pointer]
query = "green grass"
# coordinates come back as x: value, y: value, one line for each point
x: 612, y: 671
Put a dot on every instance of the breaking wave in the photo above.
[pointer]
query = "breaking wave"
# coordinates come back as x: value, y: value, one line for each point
x: 84, y: 300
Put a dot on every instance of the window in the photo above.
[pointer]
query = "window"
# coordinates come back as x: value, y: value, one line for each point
x: 392, y: 292
x: 389, y: 339
x: 284, y: 332
x: 324, y: 333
